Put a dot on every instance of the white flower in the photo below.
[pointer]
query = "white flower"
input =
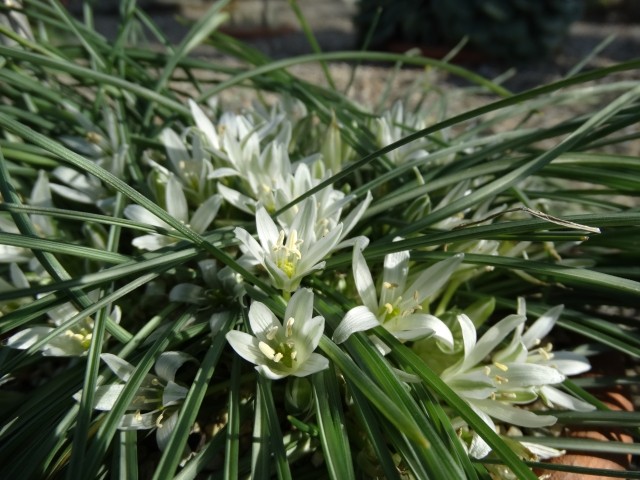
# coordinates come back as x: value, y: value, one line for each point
x: 102, y: 143
x: 44, y: 225
x: 160, y: 396
x: 289, y: 256
x: 74, y: 341
x: 192, y: 166
x: 492, y: 389
x: 398, y: 307
x: 280, y: 350
x: 177, y: 207
x: 396, y: 124
x: 514, y: 375
x: 79, y: 187
x: 568, y: 363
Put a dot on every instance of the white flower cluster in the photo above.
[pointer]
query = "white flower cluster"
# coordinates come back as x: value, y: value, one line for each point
x: 241, y: 165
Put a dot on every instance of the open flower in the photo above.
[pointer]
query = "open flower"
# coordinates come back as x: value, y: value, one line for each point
x: 495, y: 388
x: 177, y: 207
x: 191, y: 163
x: 74, y: 341
x: 566, y: 362
x: 396, y: 124
x: 159, y: 396
x: 513, y: 376
x: 398, y: 308
x: 281, y: 350
x: 289, y: 256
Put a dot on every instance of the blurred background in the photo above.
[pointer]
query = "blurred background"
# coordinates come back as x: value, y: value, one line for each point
x: 542, y: 39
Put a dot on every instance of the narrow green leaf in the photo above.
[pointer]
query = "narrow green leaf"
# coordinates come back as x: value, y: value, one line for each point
x: 172, y: 454
x: 382, y: 463
x: 232, y: 450
x: 585, y: 445
x: 377, y: 397
x: 419, y: 368
x: 127, y: 458
x: 109, y: 424
x: 200, y: 31
x: 331, y: 423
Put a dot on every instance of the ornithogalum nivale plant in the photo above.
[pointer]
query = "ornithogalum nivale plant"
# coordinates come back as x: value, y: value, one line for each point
x: 303, y: 286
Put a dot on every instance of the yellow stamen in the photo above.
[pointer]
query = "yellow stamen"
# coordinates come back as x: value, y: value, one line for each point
x: 271, y: 334
x: 268, y: 352
x: 500, y: 380
x: 501, y: 366
x: 289, y: 331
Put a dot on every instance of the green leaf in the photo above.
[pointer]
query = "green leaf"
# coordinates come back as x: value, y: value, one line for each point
x: 173, y: 452
x: 331, y: 423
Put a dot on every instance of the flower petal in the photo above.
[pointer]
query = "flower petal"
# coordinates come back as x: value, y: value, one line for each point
x: 557, y: 398
x: 252, y: 247
x: 120, y: 367
x: 173, y: 394
x: 434, y: 277
x: 514, y: 415
x: 142, y: 215
x: 176, y: 151
x: 478, y: 447
x: 394, y: 277
x: 357, y: 319
x: 418, y: 326
x: 570, y: 363
x: 105, y: 396
x: 204, y: 124
x: 267, y: 372
x: 151, y: 242
x: 542, y: 452
x: 205, y: 214
x: 188, y: 293
x: 29, y: 336
x: 356, y: 214
x: 469, y: 335
x: 491, y: 339
x: 314, y: 363
x: 530, y: 374
x: 237, y: 199
x: 175, y: 200
x: 165, y: 423
x: 267, y: 230
x: 474, y: 385
x: 312, y: 331
x: 541, y: 327
x: 320, y: 249
x: 363, y: 279
x: 168, y: 364
x: 246, y: 346
x: 262, y: 320
x: 300, y: 306
x: 304, y: 222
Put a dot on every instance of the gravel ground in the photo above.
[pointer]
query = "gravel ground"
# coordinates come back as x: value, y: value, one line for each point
x: 271, y: 26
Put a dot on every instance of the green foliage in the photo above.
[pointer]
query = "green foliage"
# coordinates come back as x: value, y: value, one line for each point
x: 84, y: 141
